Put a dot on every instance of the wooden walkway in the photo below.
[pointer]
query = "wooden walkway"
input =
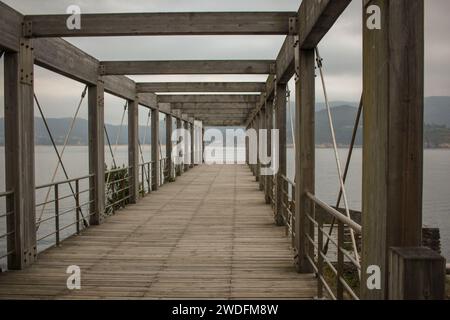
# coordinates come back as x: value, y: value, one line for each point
x: 208, y: 235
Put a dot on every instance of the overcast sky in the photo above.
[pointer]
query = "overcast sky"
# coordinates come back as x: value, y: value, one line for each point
x: 341, y: 48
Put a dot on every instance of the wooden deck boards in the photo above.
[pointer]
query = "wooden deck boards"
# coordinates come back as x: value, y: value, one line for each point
x: 208, y: 235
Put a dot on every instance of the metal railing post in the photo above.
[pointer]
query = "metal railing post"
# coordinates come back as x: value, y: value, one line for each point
x: 56, y: 190
x: 77, y: 203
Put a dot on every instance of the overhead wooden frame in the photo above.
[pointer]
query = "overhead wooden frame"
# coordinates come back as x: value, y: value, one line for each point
x: 187, y: 67
x: 164, y: 87
x: 163, y: 24
x: 209, y: 98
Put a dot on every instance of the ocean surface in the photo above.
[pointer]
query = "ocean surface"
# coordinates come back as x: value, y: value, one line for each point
x: 436, y: 186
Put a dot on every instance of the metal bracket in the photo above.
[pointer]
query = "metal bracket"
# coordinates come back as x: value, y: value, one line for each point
x: 26, y: 61
x: 27, y: 29
x: 293, y: 26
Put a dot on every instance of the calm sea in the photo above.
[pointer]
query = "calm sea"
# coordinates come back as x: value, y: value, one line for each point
x: 436, y: 186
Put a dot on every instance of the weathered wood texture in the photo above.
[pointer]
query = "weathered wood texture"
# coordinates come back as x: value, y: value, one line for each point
x: 96, y: 119
x: 286, y: 61
x: 156, y: 154
x: 304, y: 155
x: 316, y: 18
x: 280, y: 125
x: 209, y: 98
x: 133, y: 149
x: 160, y: 87
x: 393, y: 82
x: 19, y: 155
x: 10, y: 28
x: 187, y: 67
x: 207, y: 236
x: 164, y: 24
x: 416, y: 274
x: 169, y: 146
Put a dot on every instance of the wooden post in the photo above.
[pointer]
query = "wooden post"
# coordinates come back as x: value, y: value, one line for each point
x: 305, y: 155
x: 187, y: 149
x: 169, y: 146
x: 96, y: 101
x: 19, y: 155
x: 203, y: 145
x: 268, y: 178
x: 262, y: 126
x: 133, y: 149
x: 416, y: 274
x: 192, y: 128
x: 155, y: 149
x: 393, y: 82
x: 280, y: 115
x: 180, y: 141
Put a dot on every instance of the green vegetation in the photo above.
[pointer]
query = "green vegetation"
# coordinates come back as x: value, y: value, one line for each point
x: 117, y: 188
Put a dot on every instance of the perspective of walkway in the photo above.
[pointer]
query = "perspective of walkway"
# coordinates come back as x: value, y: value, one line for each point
x: 209, y: 235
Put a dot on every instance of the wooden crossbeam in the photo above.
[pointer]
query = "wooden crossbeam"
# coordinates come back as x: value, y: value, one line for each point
x: 163, y: 24
x: 187, y: 67
x: 209, y: 98
x: 162, y: 87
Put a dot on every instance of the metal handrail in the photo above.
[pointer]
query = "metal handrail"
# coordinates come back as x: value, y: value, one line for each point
x: 339, y: 216
x: 49, y: 185
x: 317, y: 255
x: 9, y: 235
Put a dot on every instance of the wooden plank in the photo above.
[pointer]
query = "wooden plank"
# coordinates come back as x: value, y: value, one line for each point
x: 216, y: 108
x: 133, y: 149
x: 393, y: 80
x: 96, y: 119
x: 304, y: 156
x: 10, y: 28
x: 315, y: 19
x: 19, y: 155
x: 161, y: 87
x: 164, y: 24
x: 187, y: 67
x: 209, y: 98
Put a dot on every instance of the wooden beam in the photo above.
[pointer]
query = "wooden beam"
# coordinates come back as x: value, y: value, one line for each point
x: 165, y: 108
x: 10, y: 28
x: 220, y: 98
x: 96, y: 120
x: 222, y: 123
x: 20, y: 156
x: 393, y: 81
x: 148, y: 100
x: 164, y: 24
x: 156, y: 179
x: 316, y: 18
x: 161, y: 87
x: 304, y: 156
x: 133, y: 149
x: 187, y: 67
x: 286, y: 61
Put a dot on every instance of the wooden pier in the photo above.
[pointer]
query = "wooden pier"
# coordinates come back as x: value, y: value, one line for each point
x: 210, y: 235
x: 187, y: 230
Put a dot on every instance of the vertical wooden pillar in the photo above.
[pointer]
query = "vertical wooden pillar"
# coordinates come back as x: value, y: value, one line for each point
x: 203, y: 145
x: 262, y: 126
x: 305, y: 155
x: 280, y: 121
x: 393, y: 82
x: 96, y: 106
x: 133, y: 149
x: 19, y: 155
x: 169, y: 146
x: 156, y: 179
x: 192, y: 143
x: 187, y: 143
x: 268, y: 178
x: 180, y: 141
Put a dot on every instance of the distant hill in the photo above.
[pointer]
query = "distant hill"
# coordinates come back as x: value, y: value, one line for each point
x: 59, y: 128
x: 437, y: 126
